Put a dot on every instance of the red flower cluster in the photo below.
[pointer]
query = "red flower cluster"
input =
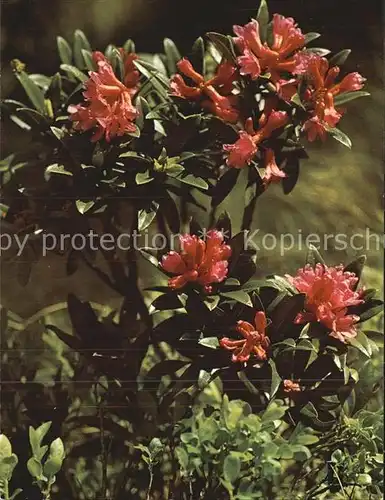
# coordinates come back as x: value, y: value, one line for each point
x: 322, y: 89
x: 273, y: 173
x: 244, y: 149
x: 255, y: 341
x: 289, y: 386
x: 199, y: 261
x: 215, y: 94
x: 108, y: 106
x: 258, y: 57
x: 329, y: 292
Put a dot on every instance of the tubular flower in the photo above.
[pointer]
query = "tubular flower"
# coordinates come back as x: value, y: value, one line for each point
x: 108, y: 107
x: 329, y: 292
x: 258, y: 57
x: 319, y: 97
x: 199, y: 261
x: 273, y: 173
x: 244, y: 149
x: 289, y: 386
x: 255, y: 342
x: 215, y: 94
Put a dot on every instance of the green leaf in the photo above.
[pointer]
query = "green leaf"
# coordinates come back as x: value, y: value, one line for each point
x: 5, y: 446
x: 349, y: 96
x: 84, y: 206
x: 182, y: 457
x: 35, y: 468
x: 7, y: 465
x: 35, y: 94
x: 306, y: 439
x: 224, y: 44
x: 191, y: 180
x: 231, y: 468
x: 64, y: 49
x: 80, y: 43
x: 340, y: 136
x: 143, y: 177
x: 239, y: 296
x: 309, y: 37
x: 263, y: 19
x: 273, y: 412
x: 56, y: 169
x: 72, y: 70
x: 211, y: 342
x: 318, y: 51
x: 129, y: 46
x: 88, y: 61
x: 146, y: 216
x: 172, y: 55
x: 313, y: 256
x: 339, y: 58
x: 275, y: 379
x: 15, y: 493
x: 356, y: 267
x: 55, y: 459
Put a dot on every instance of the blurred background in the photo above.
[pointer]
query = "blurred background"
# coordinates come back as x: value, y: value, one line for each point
x: 339, y: 190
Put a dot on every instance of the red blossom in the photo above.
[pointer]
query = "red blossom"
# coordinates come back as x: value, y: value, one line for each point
x: 215, y: 94
x: 289, y: 386
x: 244, y: 149
x: 258, y: 57
x: 108, y: 107
x: 199, y: 261
x: 329, y: 292
x: 322, y: 90
x: 255, y: 342
x: 273, y: 174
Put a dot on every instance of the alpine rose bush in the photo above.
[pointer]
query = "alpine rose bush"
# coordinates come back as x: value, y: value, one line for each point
x: 127, y: 144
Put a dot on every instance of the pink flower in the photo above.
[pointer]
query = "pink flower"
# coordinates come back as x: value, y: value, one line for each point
x: 242, y: 151
x: 289, y: 386
x: 258, y: 57
x: 322, y: 91
x: 329, y: 292
x: 215, y: 94
x: 315, y: 128
x: 203, y: 262
x: 255, y: 341
x: 286, y: 88
x: 245, y: 148
x: 108, y: 107
x: 273, y: 174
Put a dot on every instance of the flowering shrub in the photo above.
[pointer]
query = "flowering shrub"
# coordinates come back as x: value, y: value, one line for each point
x: 130, y: 142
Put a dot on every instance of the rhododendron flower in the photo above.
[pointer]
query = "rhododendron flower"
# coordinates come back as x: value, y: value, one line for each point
x: 199, y: 261
x: 329, y: 292
x: 319, y: 97
x: 273, y: 173
x: 215, y: 94
x: 289, y: 386
x: 258, y: 57
x: 108, y: 107
x: 255, y: 342
x: 244, y: 149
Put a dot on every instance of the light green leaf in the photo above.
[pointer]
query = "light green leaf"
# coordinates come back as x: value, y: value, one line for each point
x: 74, y: 71
x: 64, y: 49
x: 84, y: 206
x: 211, y: 342
x: 35, y: 94
x: 239, y: 296
x: 339, y: 58
x: 349, y: 96
x: 35, y: 468
x: 5, y: 446
x: 231, y: 468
